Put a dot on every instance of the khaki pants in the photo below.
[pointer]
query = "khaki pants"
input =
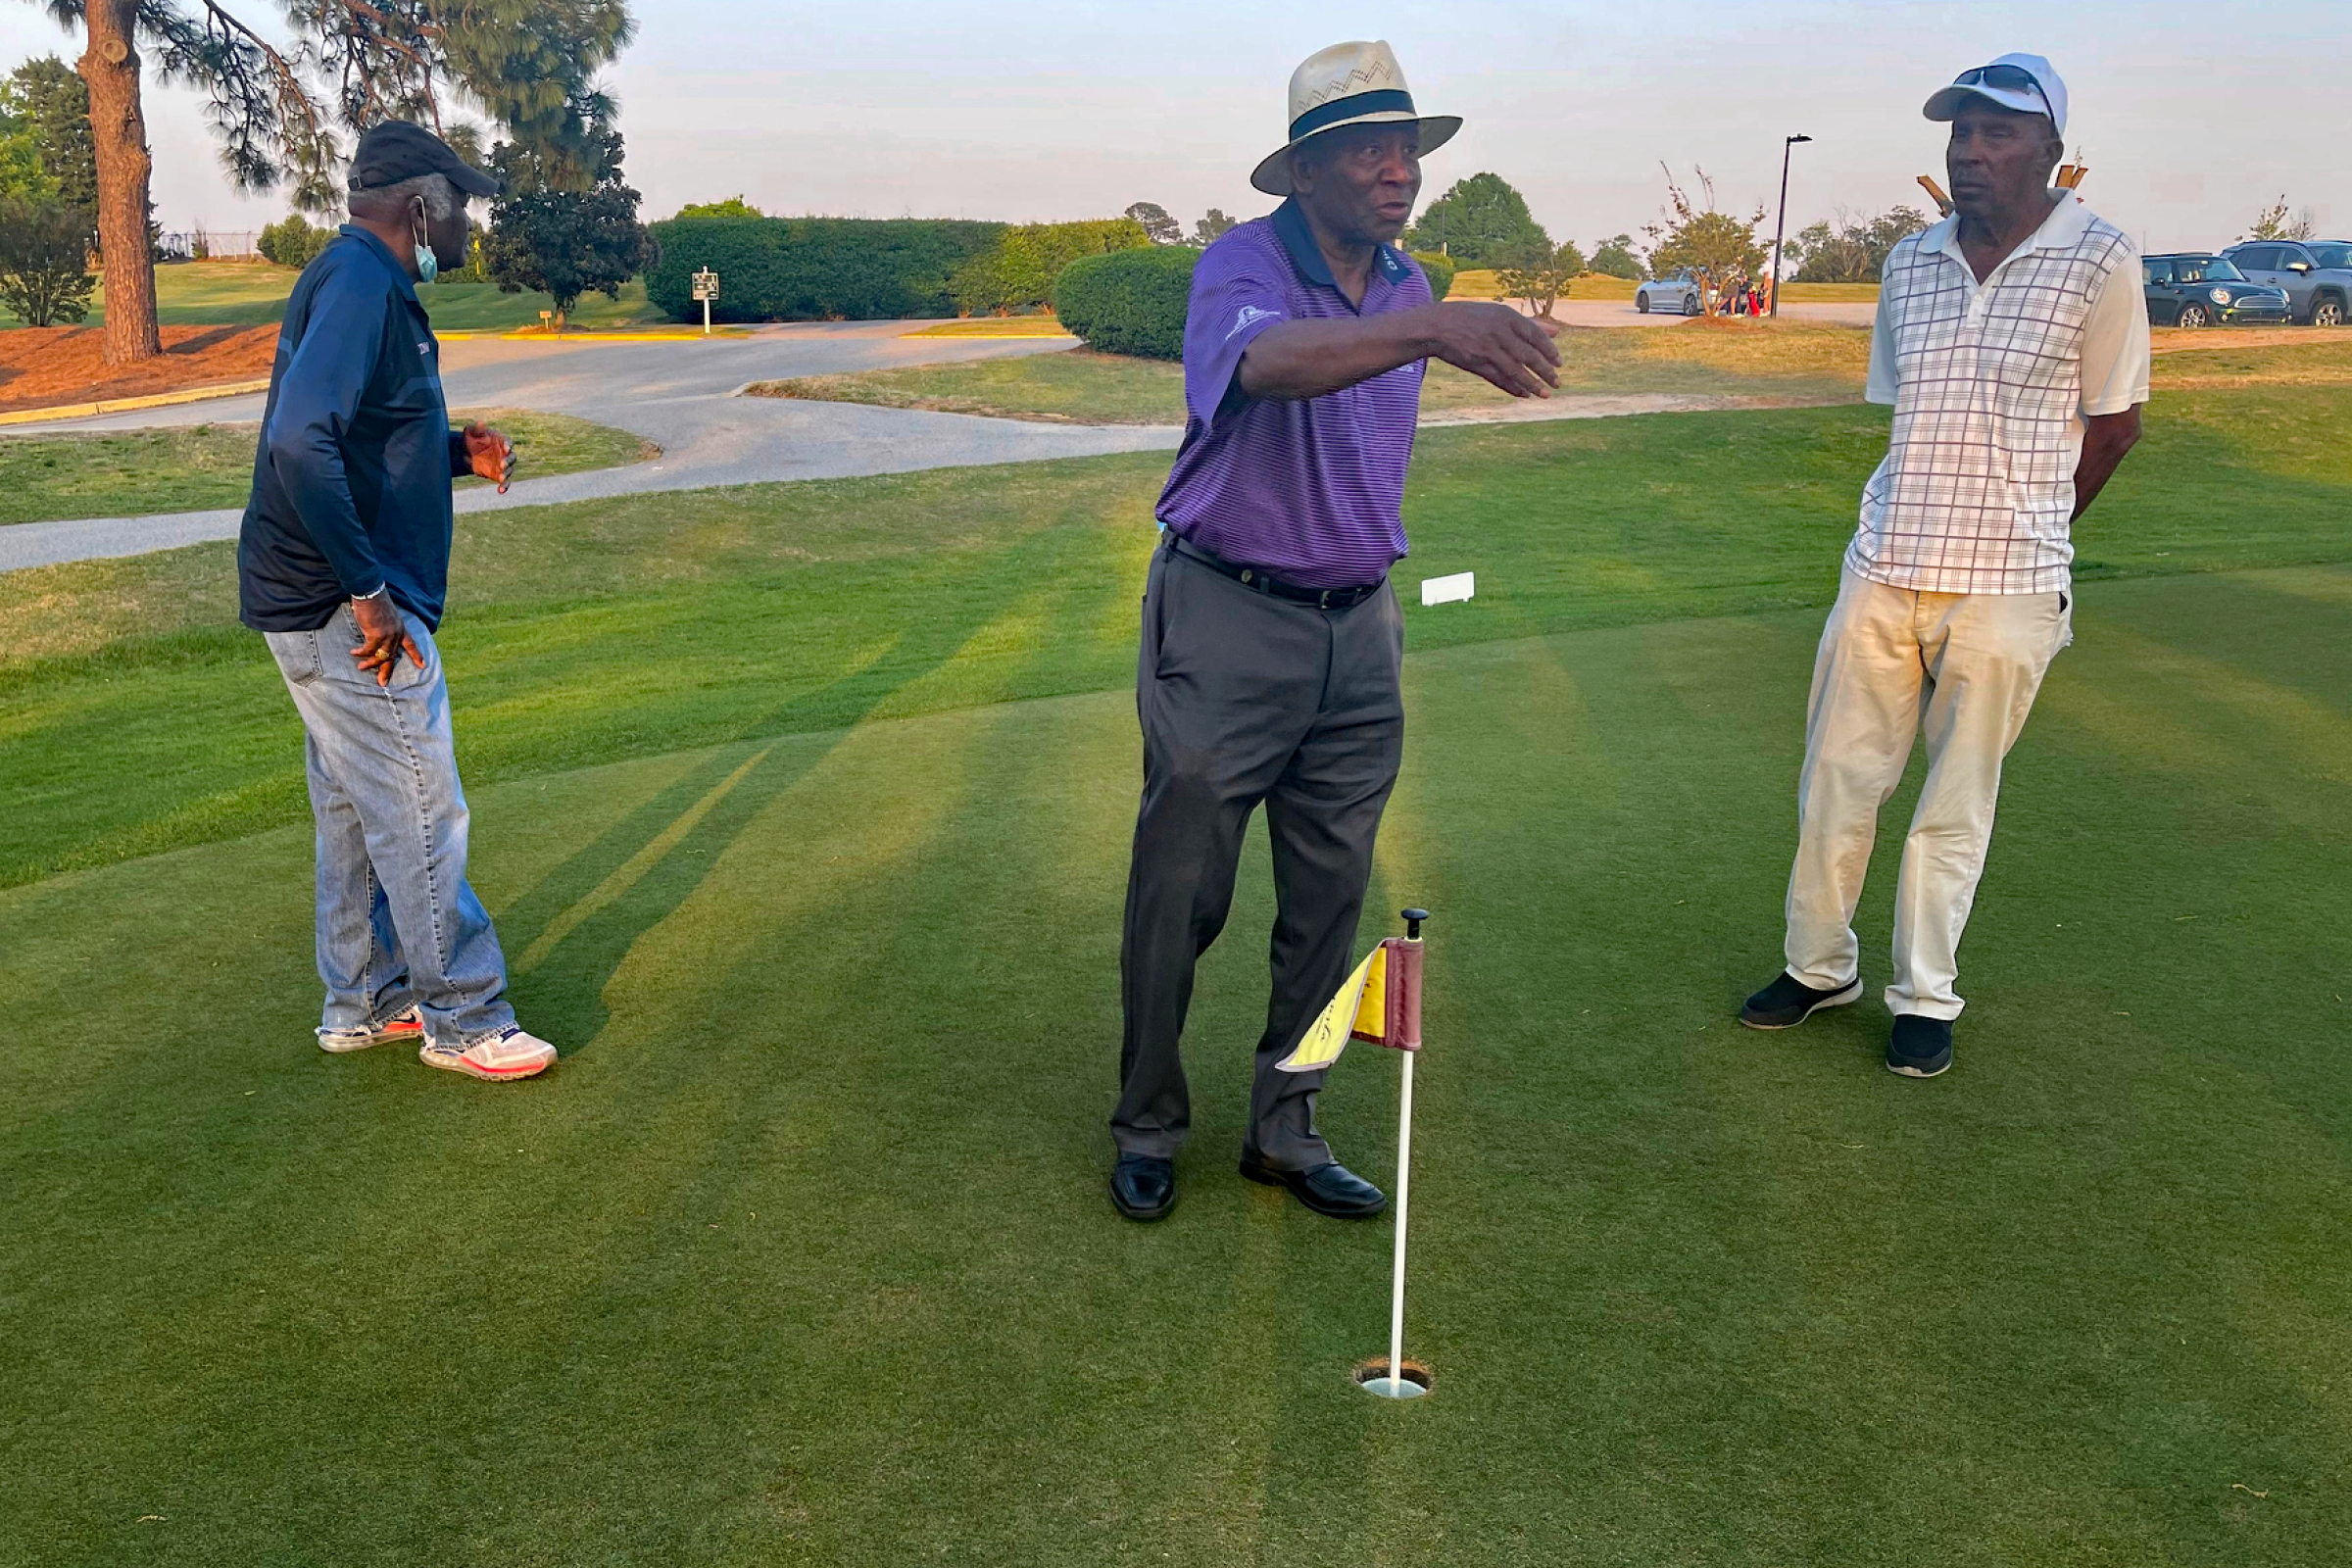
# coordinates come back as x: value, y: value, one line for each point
x: 1961, y: 667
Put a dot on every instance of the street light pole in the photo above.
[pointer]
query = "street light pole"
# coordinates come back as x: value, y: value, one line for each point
x: 1780, y: 225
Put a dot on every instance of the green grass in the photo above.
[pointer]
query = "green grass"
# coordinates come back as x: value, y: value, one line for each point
x: 804, y: 814
x: 132, y: 473
x: 248, y: 293
x: 646, y: 624
x: 801, y: 1255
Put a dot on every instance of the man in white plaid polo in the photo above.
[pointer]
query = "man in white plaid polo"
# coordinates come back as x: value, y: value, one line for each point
x: 2013, y: 345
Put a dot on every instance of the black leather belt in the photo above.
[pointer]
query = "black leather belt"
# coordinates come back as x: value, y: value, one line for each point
x: 1274, y: 587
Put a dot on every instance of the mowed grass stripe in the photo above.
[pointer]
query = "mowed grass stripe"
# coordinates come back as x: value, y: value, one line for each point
x: 1686, y: 1287
x: 634, y: 627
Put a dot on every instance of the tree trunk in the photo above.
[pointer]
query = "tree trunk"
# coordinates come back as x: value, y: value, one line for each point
x: 111, y: 70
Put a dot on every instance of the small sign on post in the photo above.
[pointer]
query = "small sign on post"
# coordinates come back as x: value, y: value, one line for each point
x: 706, y: 289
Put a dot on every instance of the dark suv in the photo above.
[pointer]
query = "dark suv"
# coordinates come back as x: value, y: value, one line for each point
x: 2315, y: 274
x: 2196, y: 289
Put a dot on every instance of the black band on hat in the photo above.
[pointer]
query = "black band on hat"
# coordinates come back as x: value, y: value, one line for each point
x: 1387, y: 101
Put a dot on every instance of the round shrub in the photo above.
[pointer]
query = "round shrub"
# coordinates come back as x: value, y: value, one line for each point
x: 293, y: 243
x: 1439, y: 269
x: 1129, y: 301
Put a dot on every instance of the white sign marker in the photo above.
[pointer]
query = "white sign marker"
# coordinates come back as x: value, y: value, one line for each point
x: 1445, y: 590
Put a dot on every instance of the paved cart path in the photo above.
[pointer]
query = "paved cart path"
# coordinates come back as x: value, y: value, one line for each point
x: 680, y: 395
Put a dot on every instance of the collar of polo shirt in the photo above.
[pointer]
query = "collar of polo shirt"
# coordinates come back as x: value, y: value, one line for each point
x: 2064, y: 228
x: 1289, y: 225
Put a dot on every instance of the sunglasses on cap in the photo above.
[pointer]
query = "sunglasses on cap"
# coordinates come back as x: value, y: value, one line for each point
x: 2008, y: 78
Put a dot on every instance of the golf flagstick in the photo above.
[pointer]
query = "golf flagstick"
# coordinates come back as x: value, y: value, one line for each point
x: 1407, y: 1037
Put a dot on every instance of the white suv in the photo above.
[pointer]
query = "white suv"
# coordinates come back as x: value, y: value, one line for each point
x: 1677, y: 292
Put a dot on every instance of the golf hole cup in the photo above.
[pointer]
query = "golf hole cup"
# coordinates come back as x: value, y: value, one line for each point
x: 1413, y: 1378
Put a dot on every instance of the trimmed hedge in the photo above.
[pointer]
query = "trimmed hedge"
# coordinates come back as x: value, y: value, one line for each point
x: 1439, y: 269
x: 1129, y: 301
x: 814, y: 269
x: 1017, y: 272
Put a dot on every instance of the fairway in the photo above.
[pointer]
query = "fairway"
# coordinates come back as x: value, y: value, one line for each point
x: 181, y: 467
x: 801, y: 1254
x: 803, y: 811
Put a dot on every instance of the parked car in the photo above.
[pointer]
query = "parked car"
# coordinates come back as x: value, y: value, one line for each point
x: 2197, y: 289
x: 2317, y: 275
x: 1678, y: 292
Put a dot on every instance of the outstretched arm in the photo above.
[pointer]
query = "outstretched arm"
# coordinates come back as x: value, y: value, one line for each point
x: 1305, y: 359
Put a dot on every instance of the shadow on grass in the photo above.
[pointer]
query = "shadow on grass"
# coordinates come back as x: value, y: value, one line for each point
x: 569, y: 933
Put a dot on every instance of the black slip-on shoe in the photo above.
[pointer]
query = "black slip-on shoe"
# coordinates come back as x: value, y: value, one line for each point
x: 1789, y: 1001
x: 1142, y: 1188
x: 1919, y: 1048
x: 1332, y: 1189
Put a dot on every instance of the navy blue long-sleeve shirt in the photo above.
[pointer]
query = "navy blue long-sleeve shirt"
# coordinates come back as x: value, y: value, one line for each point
x: 350, y: 487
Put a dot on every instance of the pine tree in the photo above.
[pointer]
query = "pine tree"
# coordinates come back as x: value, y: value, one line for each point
x: 283, y: 114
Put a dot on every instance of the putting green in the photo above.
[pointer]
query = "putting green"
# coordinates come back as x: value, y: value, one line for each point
x: 801, y: 1254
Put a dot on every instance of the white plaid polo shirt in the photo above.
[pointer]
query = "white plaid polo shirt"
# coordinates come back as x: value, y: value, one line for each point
x: 1990, y: 382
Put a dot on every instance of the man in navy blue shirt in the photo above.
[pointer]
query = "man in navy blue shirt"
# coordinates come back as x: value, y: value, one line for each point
x: 342, y: 565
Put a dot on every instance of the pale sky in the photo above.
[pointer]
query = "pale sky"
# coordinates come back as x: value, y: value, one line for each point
x: 2191, y: 116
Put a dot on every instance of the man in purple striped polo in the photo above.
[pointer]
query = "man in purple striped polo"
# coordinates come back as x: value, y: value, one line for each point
x: 1271, y: 641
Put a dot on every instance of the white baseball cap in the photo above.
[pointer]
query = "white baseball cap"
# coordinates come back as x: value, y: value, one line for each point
x: 2025, y: 83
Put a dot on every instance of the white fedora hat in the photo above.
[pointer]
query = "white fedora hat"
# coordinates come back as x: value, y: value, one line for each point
x: 1348, y: 84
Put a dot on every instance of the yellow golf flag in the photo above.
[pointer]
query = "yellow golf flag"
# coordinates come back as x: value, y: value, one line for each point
x: 1360, y: 1011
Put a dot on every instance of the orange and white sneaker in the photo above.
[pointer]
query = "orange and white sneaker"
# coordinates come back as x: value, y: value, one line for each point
x: 508, y: 1054
x: 406, y: 1024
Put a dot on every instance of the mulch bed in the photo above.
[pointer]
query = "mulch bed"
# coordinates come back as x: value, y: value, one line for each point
x: 50, y: 365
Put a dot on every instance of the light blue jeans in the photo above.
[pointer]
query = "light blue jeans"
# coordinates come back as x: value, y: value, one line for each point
x: 398, y: 923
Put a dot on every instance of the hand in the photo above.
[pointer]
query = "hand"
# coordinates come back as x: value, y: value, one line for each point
x: 383, y: 635
x: 1495, y: 342
x: 490, y: 454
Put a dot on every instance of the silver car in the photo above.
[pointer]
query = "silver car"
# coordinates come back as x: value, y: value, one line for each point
x: 1677, y: 293
x: 2315, y: 274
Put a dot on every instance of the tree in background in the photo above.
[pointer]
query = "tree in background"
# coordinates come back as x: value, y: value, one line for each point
x: 1475, y: 221
x: 1710, y: 244
x: 1849, y: 249
x: 22, y: 171
x: 1158, y: 227
x: 44, y: 259
x: 1539, y: 272
x: 2275, y: 223
x: 1614, y: 257
x: 45, y: 104
x: 530, y: 65
x: 293, y: 241
x: 561, y: 241
x: 1212, y: 228
x: 732, y: 206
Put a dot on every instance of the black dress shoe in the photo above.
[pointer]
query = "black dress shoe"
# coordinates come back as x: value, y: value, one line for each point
x: 1142, y: 1188
x: 1332, y: 1189
x: 1789, y: 1001
x: 1919, y: 1048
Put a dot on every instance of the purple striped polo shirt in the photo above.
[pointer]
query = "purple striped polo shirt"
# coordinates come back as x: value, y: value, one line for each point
x: 1309, y: 489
